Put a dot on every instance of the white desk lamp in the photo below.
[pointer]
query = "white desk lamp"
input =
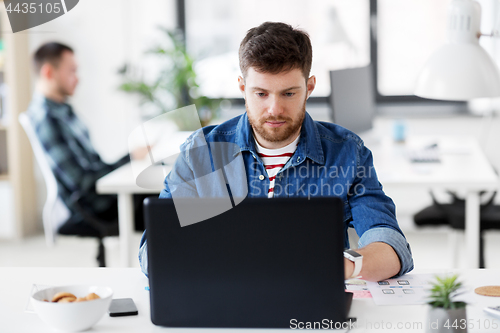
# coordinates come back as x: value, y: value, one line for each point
x: 461, y: 69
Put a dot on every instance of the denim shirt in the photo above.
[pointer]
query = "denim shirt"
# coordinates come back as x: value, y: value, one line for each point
x: 329, y: 161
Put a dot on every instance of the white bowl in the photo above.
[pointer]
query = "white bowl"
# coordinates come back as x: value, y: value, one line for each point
x: 72, y: 317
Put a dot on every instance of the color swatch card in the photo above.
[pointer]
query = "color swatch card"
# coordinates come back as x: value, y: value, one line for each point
x: 358, y: 288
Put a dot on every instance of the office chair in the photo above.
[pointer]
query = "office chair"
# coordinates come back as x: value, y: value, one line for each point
x: 453, y: 214
x: 55, y: 213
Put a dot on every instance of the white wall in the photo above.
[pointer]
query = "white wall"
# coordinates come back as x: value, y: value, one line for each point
x: 7, y: 227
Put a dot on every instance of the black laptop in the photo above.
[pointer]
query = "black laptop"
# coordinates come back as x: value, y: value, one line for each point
x: 266, y: 263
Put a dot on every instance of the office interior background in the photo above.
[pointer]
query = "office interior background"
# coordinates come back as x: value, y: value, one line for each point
x: 395, y: 37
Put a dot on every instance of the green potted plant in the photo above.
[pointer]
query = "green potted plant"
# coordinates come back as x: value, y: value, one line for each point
x: 175, y: 84
x: 445, y: 313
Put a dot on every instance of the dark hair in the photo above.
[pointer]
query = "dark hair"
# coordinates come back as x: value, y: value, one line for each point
x: 49, y: 53
x: 274, y: 47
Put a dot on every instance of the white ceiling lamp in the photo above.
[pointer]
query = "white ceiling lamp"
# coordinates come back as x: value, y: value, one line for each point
x: 461, y: 69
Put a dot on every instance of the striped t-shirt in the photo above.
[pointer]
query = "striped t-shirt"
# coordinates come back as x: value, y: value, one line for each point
x: 275, y: 159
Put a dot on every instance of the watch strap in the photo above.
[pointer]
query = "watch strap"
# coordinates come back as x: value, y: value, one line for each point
x: 357, y: 268
x: 357, y: 259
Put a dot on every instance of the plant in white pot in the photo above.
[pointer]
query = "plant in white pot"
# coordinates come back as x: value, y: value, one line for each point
x: 445, y: 313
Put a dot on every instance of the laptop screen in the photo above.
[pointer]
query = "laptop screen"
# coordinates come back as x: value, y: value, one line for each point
x: 263, y: 264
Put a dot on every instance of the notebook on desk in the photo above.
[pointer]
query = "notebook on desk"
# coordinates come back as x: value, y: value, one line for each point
x: 263, y: 264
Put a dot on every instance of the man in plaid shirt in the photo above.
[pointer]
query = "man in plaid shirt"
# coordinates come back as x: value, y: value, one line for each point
x: 65, y: 139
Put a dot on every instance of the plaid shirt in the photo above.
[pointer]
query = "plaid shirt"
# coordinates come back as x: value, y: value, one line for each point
x: 73, y: 159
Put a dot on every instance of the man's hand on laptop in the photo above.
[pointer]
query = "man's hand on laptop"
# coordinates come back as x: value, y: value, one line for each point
x: 380, y: 262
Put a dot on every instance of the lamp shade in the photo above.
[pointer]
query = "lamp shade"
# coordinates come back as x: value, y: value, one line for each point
x: 461, y: 69
x: 459, y: 72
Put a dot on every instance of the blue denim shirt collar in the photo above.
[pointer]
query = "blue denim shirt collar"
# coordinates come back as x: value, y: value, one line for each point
x: 309, y: 142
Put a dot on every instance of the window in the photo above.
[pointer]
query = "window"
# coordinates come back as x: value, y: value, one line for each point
x: 396, y: 36
x: 404, y: 35
x: 339, y: 32
x: 407, y: 33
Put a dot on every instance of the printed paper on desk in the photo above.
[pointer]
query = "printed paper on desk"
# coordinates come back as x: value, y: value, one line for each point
x: 405, y: 290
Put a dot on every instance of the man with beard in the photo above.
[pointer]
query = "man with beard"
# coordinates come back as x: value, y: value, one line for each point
x: 287, y: 154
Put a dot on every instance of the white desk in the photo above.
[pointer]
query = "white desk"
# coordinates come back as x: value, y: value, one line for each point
x: 122, y: 182
x: 463, y: 167
x: 16, y: 283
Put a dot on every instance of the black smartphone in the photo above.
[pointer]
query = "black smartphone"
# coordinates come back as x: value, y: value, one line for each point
x: 122, y: 307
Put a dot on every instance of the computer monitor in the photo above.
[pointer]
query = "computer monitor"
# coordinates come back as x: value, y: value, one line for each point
x: 352, y: 98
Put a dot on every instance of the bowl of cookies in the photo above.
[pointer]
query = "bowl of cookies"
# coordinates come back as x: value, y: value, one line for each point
x: 72, y: 308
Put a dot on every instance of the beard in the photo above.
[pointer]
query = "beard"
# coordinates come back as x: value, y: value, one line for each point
x: 277, y: 134
x: 64, y: 91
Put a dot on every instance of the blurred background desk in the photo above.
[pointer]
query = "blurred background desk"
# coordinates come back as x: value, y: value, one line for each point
x: 122, y: 183
x: 463, y: 167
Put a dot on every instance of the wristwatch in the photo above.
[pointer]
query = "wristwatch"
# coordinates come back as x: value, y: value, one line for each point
x: 357, y: 259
